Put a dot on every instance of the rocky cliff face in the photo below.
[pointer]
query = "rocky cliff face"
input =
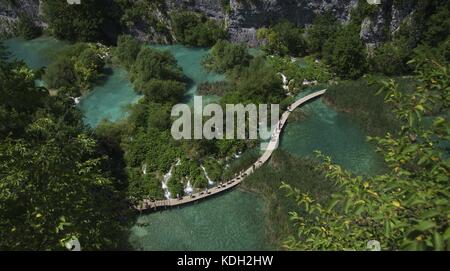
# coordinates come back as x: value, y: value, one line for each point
x: 11, y: 10
x: 247, y: 16
x: 244, y: 17
x: 389, y: 19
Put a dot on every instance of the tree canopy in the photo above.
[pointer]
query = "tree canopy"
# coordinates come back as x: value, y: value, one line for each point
x: 283, y: 38
x: 53, y: 184
x: 406, y: 208
x: 194, y: 29
x: 225, y: 56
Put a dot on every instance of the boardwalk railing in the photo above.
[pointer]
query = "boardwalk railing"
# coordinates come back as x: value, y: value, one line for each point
x: 271, y: 147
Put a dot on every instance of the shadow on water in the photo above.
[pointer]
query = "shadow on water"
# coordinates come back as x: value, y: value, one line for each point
x: 104, y: 76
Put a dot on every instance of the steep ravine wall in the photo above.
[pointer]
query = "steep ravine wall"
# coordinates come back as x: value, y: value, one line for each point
x: 244, y: 17
x: 10, y: 10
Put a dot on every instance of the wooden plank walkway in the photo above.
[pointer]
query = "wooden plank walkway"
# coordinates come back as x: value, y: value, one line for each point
x: 271, y: 147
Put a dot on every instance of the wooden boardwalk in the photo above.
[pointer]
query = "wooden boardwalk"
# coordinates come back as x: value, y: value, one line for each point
x: 271, y: 147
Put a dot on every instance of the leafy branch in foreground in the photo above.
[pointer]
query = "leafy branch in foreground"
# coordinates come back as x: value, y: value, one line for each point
x: 407, y: 208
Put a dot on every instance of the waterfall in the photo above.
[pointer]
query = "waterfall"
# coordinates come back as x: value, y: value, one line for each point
x: 189, y: 189
x: 285, y: 81
x: 166, y: 180
x: 144, y: 169
x: 210, y: 182
x: 76, y: 100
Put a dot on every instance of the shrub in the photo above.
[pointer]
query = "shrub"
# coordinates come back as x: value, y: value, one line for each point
x: 346, y: 53
x: 194, y: 29
x: 28, y: 29
x: 225, y: 56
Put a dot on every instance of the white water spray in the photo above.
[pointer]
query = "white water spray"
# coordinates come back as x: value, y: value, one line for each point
x: 166, y: 180
x: 188, y: 189
x: 210, y: 182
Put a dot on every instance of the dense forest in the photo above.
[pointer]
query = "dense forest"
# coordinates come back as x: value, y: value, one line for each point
x: 55, y: 181
x: 60, y: 179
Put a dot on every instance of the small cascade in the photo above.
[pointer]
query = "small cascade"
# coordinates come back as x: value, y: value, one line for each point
x: 210, y: 182
x: 166, y: 180
x: 76, y: 100
x: 285, y: 81
x: 188, y: 189
x: 144, y: 169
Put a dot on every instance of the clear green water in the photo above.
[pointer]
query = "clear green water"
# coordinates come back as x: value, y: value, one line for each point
x: 109, y: 99
x: 35, y: 53
x: 232, y: 221
x: 190, y: 60
x: 334, y: 134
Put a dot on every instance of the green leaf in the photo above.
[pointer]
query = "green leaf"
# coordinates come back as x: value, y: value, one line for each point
x: 430, y: 214
x: 438, y: 241
x: 411, y: 148
x: 438, y: 121
x: 347, y: 205
x: 419, y: 107
x: 424, y: 225
x: 333, y: 203
x: 446, y: 235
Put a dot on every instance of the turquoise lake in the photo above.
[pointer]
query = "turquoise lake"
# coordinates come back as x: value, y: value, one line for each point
x: 334, y: 134
x: 190, y: 60
x: 234, y: 220
x: 109, y: 100
x: 35, y: 53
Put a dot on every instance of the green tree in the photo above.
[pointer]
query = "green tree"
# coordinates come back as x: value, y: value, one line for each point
x: 323, y: 28
x: 75, y: 68
x: 85, y: 22
x: 19, y: 98
x: 28, y: 29
x: 52, y: 190
x: 127, y: 50
x: 145, y: 187
x: 159, y: 116
x: 283, y: 38
x: 437, y: 26
x: 60, y: 74
x: 176, y: 186
x: 391, y: 58
x: 257, y: 83
x: 194, y: 29
x: 226, y: 56
x: 153, y: 64
x: 168, y: 91
x: 406, y: 208
x: 87, y: 67
x: 53, y: 187
x: 346, y: 53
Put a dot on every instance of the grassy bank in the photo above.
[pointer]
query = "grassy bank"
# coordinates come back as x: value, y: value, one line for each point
x: 266, y: 182
x: 368, y: 109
